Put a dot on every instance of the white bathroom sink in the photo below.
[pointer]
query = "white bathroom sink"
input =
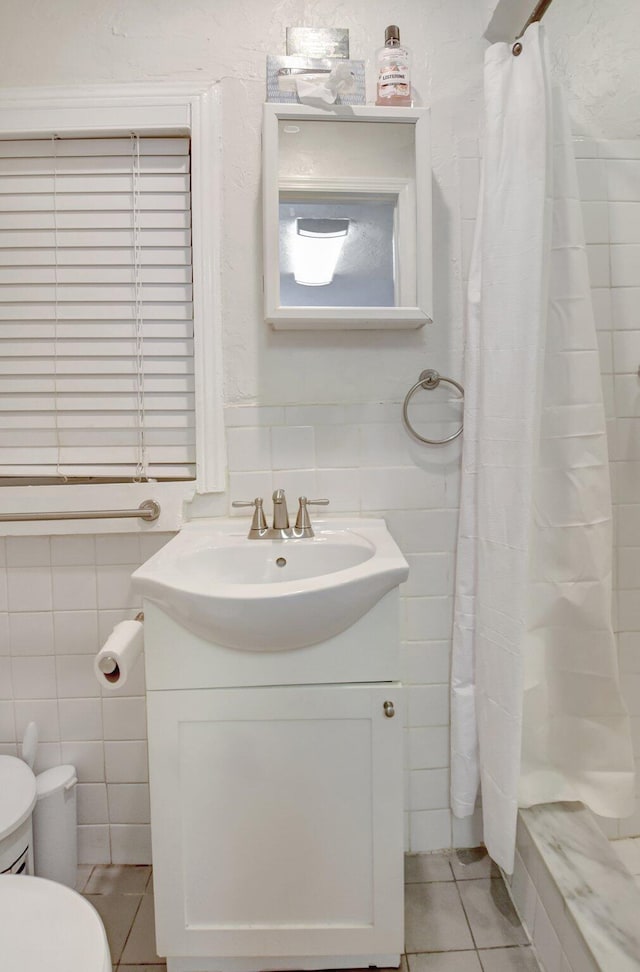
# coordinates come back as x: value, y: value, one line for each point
x: 272, y: 595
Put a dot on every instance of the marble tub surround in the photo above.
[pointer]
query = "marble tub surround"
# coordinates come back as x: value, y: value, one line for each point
x: 628, y: 851
x: 577, y: 900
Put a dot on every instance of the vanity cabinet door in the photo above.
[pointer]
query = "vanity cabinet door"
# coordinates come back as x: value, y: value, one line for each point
x: 277, y: 820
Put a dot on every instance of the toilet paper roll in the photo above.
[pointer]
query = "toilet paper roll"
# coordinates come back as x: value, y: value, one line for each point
x: 119, y: 654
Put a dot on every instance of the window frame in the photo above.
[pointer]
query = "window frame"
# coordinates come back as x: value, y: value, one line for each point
x: 161, y: 108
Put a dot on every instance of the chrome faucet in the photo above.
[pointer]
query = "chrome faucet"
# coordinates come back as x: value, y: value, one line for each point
x: 280, y: 511
x: 280, y: 529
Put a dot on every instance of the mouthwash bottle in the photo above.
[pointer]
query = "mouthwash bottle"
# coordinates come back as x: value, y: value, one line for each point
x: 394, y: 75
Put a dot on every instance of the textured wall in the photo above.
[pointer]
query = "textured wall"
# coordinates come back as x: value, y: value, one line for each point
x: 595, y: 54
x: 595, y: 57
x: 226, y: 41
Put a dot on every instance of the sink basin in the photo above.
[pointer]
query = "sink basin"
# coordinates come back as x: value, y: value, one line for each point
x: 272, y: 595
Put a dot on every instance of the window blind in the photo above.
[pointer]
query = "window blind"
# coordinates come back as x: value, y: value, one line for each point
x: 96, y: 320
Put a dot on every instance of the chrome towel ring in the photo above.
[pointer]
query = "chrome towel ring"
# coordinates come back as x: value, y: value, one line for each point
x: 429, y: 379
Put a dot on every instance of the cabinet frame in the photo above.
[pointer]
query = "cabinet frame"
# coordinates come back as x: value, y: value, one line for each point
x: 339, y: 318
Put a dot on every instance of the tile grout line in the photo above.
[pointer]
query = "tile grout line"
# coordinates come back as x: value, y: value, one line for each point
x: 466, y: 916
x: 128, y: 935
x: 457, y: 881
x: 86, y: 881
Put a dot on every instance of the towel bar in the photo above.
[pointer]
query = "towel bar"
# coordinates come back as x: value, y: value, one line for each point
x: 149, y: 510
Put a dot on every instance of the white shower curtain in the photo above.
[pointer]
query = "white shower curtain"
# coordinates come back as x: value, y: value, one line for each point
x: 536, y: 710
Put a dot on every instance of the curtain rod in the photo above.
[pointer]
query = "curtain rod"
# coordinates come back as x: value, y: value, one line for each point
x: 540, y: 10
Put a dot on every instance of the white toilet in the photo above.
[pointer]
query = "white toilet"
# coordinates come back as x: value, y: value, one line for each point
x: 44, y: 926
x: 17, y: 800
x: 47, y: 927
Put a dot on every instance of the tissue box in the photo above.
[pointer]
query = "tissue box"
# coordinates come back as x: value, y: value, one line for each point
x: 318, y: 41
x: 281, y: 70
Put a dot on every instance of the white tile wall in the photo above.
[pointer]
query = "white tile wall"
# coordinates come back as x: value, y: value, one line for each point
x: 361, y: 458
x: 618, y: 163
x: 609, y: 184
x: 609, y: 175
x: 65, y: 595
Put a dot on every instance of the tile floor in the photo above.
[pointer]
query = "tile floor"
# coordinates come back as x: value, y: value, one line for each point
x: 459, y: 917
x: 123, y: 896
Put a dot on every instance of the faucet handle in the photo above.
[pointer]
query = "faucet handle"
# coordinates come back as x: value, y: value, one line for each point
x: 254, y: 502
x: 258, y: 524
x: 302, y: 521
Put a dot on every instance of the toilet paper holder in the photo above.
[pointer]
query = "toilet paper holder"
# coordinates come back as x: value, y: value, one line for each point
x: 108, y: 664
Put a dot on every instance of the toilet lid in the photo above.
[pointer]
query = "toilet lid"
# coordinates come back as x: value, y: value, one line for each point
x: 18, y: 789
x: 47, y: 927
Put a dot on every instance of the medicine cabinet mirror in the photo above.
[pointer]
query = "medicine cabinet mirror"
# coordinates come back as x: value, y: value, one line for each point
x: 347, y: 217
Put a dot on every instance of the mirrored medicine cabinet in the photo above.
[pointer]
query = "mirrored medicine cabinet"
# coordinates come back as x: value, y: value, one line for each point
x: 347, y: 217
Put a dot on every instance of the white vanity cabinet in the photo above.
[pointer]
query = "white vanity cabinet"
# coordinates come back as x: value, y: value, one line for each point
x: 276, y: 772
x: 277, y: 824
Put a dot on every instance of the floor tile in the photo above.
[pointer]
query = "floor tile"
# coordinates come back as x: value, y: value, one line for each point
x: 141, y: 944
x: 142, y: 968
x: 445, y: 962
x: 437, y: 925
x: 118, y: 879
x: 419, y: 868
x: 117, y: 912
x: 518, y: 959
x: 434, y: 919
x: 491, y: 915
x: 471, y: 863
x: 82, y: 876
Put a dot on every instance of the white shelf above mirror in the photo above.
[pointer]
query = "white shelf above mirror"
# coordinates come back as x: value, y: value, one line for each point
x: 347, y: 217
